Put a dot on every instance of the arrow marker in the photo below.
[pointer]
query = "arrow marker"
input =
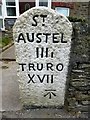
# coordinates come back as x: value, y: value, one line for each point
x: 50, y: 93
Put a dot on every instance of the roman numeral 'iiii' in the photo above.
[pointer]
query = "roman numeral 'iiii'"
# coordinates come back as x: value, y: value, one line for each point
x: 43, y: 52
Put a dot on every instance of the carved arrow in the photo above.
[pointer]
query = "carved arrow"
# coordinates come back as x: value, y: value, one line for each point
x: 50, y: 93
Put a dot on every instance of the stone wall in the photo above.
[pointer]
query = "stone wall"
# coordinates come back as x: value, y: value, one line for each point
x: 78, y: 86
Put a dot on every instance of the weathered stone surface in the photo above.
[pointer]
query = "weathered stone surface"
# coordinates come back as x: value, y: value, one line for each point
x: 80, y: 83
x: 43, y: 61
x: 78, y: 108
x: 78, y: 71
x: 82, y: 97
x: 84, y: 66
x: 85, y: 102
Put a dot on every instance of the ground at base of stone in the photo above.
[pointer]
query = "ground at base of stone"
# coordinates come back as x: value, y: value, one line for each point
x: 40, y: 113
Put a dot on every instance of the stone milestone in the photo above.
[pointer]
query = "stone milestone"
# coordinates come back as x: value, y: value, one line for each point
x: 42, y: 43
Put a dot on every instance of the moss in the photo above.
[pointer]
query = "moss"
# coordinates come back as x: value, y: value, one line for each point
x: 82, y: 46
x: 75, y: 19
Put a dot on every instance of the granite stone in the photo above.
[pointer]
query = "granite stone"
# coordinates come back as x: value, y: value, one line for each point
x: 42, y: 40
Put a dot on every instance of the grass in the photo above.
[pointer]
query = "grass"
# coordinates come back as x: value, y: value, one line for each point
x: 4, y: 41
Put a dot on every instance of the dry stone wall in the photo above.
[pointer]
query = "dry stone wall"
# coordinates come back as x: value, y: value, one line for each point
x: 78, y: 94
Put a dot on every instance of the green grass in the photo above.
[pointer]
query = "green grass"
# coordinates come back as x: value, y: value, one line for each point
x: 4, y: 41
